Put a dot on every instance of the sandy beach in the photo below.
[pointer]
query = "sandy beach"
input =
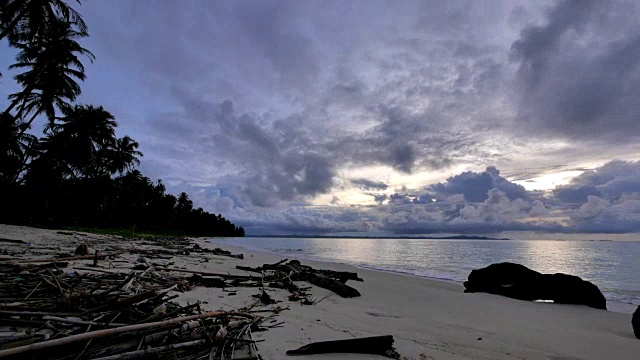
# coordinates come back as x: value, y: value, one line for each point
x: 428, y: 319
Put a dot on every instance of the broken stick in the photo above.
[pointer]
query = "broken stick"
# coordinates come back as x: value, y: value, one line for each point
x: 379, y: 345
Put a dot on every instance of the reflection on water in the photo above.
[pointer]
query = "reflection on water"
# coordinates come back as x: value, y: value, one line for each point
x: 613, y: 266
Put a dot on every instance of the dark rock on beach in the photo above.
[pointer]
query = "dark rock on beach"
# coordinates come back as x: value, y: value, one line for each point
x: 82, y: 250
x: 519, y: 282
x: 635, y: 322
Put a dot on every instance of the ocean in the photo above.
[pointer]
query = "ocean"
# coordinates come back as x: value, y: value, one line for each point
x: 614, y: 266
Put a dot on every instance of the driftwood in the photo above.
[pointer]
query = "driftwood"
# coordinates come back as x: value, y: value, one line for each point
x: 65, y: 307
x: 112, y: 313
x: 12, y: 241
x: 327, y: 279
x: 216, y: 251
x: 55, y: 260
x: 204, y: 273
x: 150, y: 351
x: 378, y: 345
x: 114, y: 331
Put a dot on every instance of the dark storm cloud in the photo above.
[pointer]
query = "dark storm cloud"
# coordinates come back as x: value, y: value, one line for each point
x: 409, y: 142
x: 610, y: 181
x: 476, y: 186
x: 369, y: 185
x: 271, y: 172
x: 575, y: 194
x: 579, y: 73
x: 402, y: 157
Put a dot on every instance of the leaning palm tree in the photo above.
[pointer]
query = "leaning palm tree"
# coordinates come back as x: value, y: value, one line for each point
x: 22, y: 20
x: 52, y: 64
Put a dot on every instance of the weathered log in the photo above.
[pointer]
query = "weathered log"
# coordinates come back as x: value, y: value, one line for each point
x: 216, y: 251
x: 327, y: 279
x: 378, y: 345
x: 336, y: 286
x: 248, y: 268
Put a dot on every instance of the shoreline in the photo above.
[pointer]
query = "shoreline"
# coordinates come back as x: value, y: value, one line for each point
x: 428, y: 319
x: 613, y: 306
x: 434, y: 319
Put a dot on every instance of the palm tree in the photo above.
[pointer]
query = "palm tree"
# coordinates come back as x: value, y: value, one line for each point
x: 49, y: 165
x: 83, y: 135
x: 23, y: 20
x: 52, y: 60
x: 15, y: 148
x: 123, y: 155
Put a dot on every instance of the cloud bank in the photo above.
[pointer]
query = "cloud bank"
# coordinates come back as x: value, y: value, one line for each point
x: 365, y: 116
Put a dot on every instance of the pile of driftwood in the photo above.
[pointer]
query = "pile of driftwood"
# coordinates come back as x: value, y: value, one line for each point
x: 177, y: 246
x: 47, y: 313
x: 288, y: 272
x: 122, y: 302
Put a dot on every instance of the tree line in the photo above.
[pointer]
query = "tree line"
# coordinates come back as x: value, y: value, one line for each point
x: 78, y: 173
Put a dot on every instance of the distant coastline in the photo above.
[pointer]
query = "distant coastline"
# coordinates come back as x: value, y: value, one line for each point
x: 452, y: 237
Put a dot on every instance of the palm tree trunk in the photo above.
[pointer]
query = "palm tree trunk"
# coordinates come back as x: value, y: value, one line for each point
x: 29, y: 123
x: 12, y: 105
x: 19, y: 99
x: 16, y: 176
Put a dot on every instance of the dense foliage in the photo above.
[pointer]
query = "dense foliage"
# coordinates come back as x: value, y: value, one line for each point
x: 78, y: 173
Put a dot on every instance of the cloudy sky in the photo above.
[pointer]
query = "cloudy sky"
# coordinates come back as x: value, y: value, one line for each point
x: 386, y: 117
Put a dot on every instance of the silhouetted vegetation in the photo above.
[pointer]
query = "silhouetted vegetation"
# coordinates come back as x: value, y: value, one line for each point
x: 79, y: 173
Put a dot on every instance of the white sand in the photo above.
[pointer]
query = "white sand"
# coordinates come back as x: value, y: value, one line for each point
x: 429, y: 319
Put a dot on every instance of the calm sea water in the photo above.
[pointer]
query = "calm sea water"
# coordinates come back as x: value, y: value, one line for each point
x: 614, y: 266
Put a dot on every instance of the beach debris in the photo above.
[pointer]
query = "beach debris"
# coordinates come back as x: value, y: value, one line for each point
x: 635, y: 322
x: 295, y: 271
x: 264, y: 298
x: 519, y: 282
x: 182, y: 246
x: 46, y: 313
x: 216, y: 251
x: 82, y: 249
x: 378, y: 345
x: 123, y: 308
x: 12, y: 241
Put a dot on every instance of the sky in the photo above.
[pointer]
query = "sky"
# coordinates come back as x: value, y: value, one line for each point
x: 380, y: 117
